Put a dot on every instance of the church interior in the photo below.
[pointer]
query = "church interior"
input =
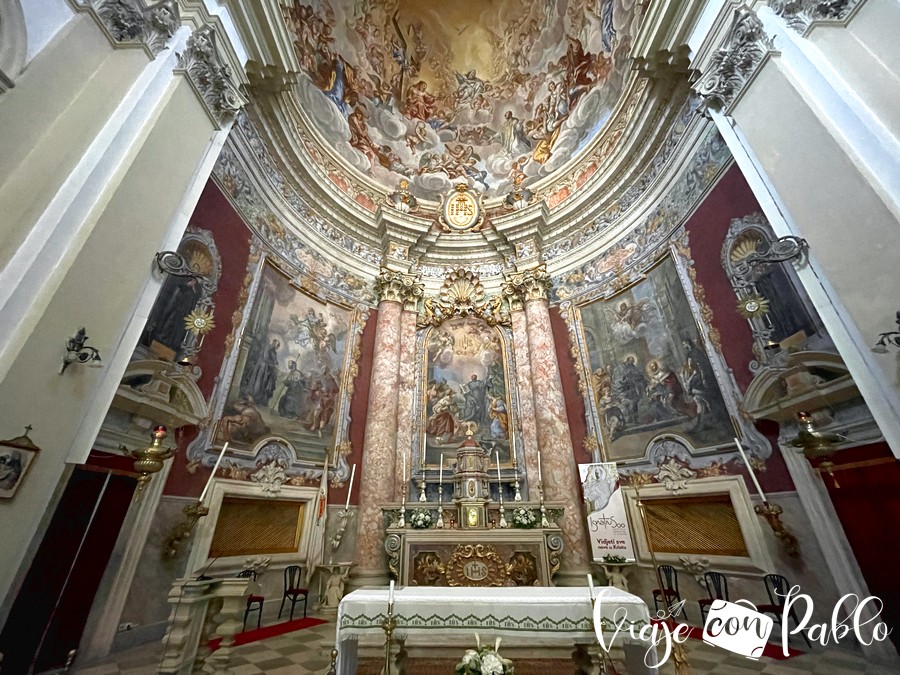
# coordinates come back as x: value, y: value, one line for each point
x: 405, y: 336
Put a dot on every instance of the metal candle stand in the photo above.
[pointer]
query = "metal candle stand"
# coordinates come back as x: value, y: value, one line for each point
x: 343, y: 516
x: 544, y: 521
x: 388, y: 625
x: 440, y: 520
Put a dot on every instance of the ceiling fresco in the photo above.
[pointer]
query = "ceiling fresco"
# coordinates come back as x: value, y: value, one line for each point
x: 439, y: 92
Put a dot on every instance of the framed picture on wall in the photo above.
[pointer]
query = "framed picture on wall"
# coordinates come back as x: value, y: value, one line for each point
x: 650, y: 372
x: 16, y: 455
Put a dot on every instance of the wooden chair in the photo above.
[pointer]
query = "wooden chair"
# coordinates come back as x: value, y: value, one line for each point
x: 669, y: 594
x: 292, y: 590
x: 717, y: 587
x: 254, y: 602
x: 777, y: 588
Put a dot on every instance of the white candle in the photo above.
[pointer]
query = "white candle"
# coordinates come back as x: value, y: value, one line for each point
x: 540, y: 478
x: 350, y: 487
x: 591, y: 585
x: 497, y: 454
x: 404, y: 471
x: 441, y: 472
x: 391, y: 595
x: 213, y: 474
x: 750, y: 469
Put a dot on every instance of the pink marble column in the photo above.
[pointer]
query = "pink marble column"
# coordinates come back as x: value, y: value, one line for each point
x: 554, y: 440
x: 377, y: 477
x: 526, y: 400
x: 406, y: 408
x: 379, y: 482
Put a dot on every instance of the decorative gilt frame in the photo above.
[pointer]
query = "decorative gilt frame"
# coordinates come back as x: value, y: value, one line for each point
x: 510, y: 471
x: 679, y: 251
x: 275, y: 448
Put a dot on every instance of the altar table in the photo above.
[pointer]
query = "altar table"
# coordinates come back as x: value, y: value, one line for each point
x: 533, y: 617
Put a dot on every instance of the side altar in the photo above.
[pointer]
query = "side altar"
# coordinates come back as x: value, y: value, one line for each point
x: 473, y: 540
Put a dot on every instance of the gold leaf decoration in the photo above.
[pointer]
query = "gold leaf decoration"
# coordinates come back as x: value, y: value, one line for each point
x: 200, y: 321
x: 753, y: 306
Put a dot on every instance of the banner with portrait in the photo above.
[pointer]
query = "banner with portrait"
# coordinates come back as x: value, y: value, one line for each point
x: 607, y: 521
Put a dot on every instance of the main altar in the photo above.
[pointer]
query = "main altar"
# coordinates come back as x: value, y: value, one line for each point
x: 473, y: 540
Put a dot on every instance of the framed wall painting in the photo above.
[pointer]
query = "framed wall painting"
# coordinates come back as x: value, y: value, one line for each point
x: 465, y: 391
x: 288, y: 381
x: 650, y: 373
x: 16, y: 456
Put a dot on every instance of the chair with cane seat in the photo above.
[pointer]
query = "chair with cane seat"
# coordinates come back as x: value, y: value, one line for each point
x: 293, y: 590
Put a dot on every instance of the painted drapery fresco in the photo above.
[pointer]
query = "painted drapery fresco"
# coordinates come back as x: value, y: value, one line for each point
x: 650, y: 373
x: 441, y: 91
x: 465, y: 390
x: 288, y: 378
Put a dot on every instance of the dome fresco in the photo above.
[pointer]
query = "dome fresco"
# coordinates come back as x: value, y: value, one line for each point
x: 441, y: 92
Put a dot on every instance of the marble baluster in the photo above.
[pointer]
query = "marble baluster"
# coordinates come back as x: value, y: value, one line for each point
x: 526, y: 400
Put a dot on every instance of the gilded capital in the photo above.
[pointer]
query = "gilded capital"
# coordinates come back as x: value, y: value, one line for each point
x: 399, y: 287
x: 531, y: 284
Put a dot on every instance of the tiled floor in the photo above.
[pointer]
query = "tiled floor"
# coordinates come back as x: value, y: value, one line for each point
x: 308, y: 652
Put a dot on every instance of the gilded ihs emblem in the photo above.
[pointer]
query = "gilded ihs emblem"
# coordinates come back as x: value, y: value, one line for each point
x: 461, y: 210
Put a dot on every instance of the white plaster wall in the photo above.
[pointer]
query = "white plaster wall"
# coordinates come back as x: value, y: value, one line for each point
x: 43, y: 20
x: 851, y: 231
x: 98, y: 291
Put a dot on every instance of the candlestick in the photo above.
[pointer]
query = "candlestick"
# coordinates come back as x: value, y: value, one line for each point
x: 350, y: 487
x: 213, y: 474
x: 750, y: 469
x: 540, y: 477
x: 391, y: 596
x: 441, y: 472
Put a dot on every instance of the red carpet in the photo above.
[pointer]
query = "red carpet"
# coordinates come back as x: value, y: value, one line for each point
x: 771, y: 651
x: 257, y: 634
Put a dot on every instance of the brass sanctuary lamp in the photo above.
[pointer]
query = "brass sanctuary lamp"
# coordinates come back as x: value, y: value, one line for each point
x: 149, y: 460
x: 814, y: 444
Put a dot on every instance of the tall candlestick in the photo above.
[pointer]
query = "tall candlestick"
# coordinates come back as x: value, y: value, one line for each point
x: 350, y: 487
x: 213, y: 474
x: 540, y: 478
x: 441, y: 472
x: 750, y: 469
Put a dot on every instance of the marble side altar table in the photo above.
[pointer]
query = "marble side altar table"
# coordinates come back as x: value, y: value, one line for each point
x: 524, y: 617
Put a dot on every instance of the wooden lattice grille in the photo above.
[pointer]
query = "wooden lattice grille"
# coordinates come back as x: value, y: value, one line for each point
x: 700, y: 525
x: 257, y: 526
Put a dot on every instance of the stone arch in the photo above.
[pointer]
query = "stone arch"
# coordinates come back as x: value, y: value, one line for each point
x: 13, y: 42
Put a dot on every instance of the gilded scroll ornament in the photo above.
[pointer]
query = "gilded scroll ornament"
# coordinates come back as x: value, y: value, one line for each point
x: 462, y: 295
x: 476, y: 565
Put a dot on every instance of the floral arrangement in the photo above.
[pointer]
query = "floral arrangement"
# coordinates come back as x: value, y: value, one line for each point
x: 484, y: 661
x: 614, y: 560
x: 420, y: 519
x: 522, y: 517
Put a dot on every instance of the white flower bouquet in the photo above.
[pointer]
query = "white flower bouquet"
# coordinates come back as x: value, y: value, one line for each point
x: 484, y: 661
x: 420, y: 519
x: 525, y: 518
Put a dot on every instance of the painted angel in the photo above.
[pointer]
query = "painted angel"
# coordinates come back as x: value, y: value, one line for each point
x: 629, y: 321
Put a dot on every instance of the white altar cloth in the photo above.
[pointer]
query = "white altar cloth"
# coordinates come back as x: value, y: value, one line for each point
x: 532, y: 616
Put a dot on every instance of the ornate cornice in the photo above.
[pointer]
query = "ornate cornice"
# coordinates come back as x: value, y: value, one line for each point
x: 211, y: 76
x: 745, y: 46
x: 531, y: 284
x: 399, y: 287
x: 129, y: 23
x: 800, y: 15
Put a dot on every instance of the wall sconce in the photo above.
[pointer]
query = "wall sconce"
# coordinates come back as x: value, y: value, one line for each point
x: 78, y: 352
x: 149, y: 460
x: 890, y: 338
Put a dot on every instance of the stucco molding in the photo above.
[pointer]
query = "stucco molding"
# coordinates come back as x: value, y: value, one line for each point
x: 211, y: 76
x: 128, y: 23
x: 736, y: 62
x: 802, y: 15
